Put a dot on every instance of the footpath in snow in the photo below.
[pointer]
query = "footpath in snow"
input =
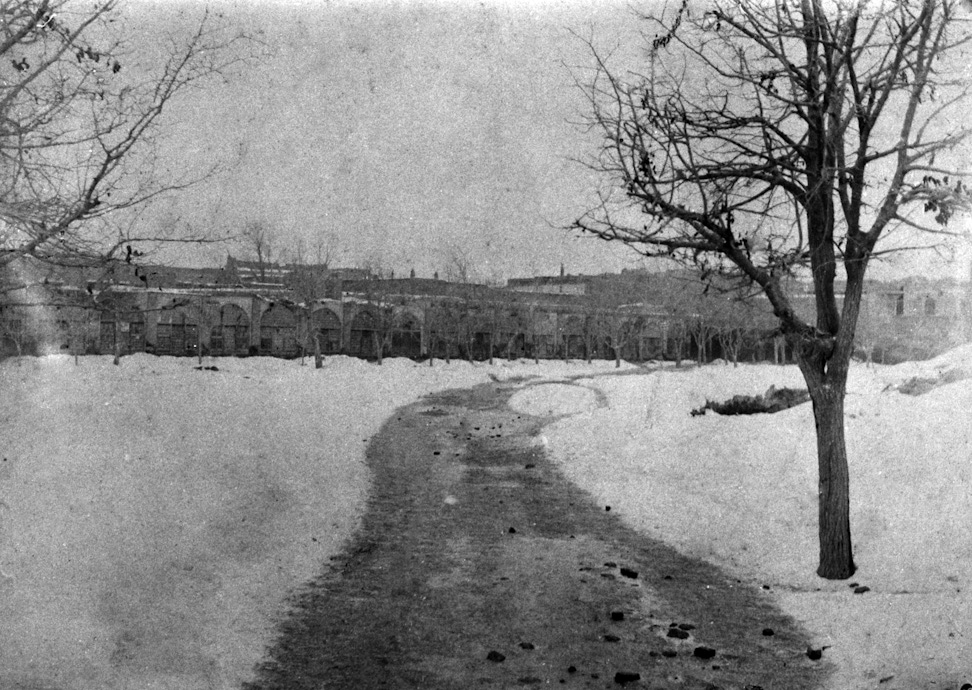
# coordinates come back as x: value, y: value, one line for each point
x: 740, y: 491
x: 154, y: 517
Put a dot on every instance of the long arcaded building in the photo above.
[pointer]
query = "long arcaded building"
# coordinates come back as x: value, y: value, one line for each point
x: 245, y: 308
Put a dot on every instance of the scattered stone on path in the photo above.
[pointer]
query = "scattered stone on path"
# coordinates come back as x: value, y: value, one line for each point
x: 607, y: 509
x: 678, y: 633
x: 625, y: 677
x: 617, y: 615
x: 704, y: 652
x: 670, y: 653
x: 527, y: 645
x: 496, y: 657
x: 529, y: 680
x: 610, y: 564
x: 628, y: 572
x: 768, y: 632
x: 571, y: 669
x: 612, y: 638
x: 814, y: 654
x: 862, y: 589
x: 512, y: 530
x: 686, y: 626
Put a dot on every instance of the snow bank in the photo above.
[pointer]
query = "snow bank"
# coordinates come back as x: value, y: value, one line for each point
x: 741, y: 491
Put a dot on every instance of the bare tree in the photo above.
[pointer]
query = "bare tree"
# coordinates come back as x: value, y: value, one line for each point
x: 326, y: 248
x: 763, y: 138
x: 458, y: 267
x: 261, y: 239
x: 80, y: 119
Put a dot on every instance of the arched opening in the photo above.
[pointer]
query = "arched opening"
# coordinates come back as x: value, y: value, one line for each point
x: 362, y: 336
x: 407, y: 337
x: 326, y: 326
x: 122, y: 327
x: 572, y: 333
x: 177, y: 333
x: 231, y: 334
x: 278, y: 332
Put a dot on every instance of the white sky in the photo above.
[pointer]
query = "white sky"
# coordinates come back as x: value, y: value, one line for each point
x: 406, y: 129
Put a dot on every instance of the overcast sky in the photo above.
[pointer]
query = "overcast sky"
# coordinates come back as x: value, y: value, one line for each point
x: 405, y: 131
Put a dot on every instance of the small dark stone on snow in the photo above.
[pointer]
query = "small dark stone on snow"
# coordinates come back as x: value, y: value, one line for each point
x: 667, y: 577
x: 704, y: 652
x: 617, y: 615
x: 612, y: 638
x: 814, y: 654
x: 628, y: 572
x: 496, y: 656
x: 678, y: 634
x: 625, y: 677
x: 527, y: 645
x: 966, y: 686
x: 571, y: 669
x: 852, y: 585
x: 686, y: 626
x: 861, y: 590
x: 607, y: 509
x: 766, y: 586
x: 670, y: 653
x: 512, y: 530
x: 530, y: 466
x: 609, y: 564
x: 768, y: 632
x: 529, y: 680
x: 435, y: 452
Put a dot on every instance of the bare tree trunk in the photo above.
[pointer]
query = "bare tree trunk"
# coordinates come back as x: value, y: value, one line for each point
x: 117, y: 344
x: 827, y: 392
x: 318, y: 359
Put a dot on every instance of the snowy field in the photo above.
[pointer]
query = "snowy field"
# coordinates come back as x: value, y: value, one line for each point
x: 154, y: 518
x: 741, y: 492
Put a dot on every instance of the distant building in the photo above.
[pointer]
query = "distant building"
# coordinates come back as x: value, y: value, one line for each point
x: 285, y: 310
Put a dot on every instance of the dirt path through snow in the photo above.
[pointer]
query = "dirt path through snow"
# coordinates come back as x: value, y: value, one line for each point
x: 479, y: 565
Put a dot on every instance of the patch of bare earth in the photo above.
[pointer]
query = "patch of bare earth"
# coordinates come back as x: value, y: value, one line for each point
x: 479, y: 565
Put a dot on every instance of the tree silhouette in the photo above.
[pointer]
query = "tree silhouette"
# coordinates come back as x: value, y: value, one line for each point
x: 80, y: 116
x: 763, y: 139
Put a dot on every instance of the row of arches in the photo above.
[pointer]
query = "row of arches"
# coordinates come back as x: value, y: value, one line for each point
x: 227, y: 331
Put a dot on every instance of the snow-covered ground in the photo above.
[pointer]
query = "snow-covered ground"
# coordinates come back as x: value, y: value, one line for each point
x: 741, y: 492
x: 154, y: 518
